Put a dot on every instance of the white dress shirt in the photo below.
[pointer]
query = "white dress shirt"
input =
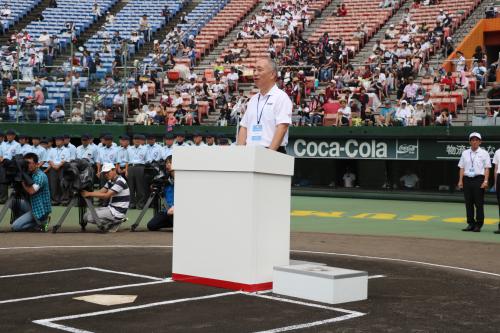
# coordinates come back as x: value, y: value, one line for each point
x: 474, y: 162
x: 264, y: 113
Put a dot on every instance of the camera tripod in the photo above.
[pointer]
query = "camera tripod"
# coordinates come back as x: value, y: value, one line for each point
x: 155, y: 199
x: 83, y: 204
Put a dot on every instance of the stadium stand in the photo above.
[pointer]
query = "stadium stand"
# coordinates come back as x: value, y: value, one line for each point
x: 11, y: 12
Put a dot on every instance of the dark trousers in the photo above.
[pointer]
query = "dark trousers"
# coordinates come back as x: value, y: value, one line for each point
x: 4, y: 193
x: 474, y: 201
x: 161, y: 220
x: 136, y: 185
x: 56, y: 192
x: 498, y: 196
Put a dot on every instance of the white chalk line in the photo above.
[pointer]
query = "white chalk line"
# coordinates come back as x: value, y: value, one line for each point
x: 84, y: 247
x: 148, y: 277
x: 16, y: 300
x: 297, y: 251
x: 43, y: 272
x: 50, y: 321
x: 376, y: 276
x: 349, y: 314
x: 399, y: 260
x: 126, y: 273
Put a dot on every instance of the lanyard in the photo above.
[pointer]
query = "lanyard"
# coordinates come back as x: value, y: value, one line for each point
x: 472, y: 159
x: 259, y: 117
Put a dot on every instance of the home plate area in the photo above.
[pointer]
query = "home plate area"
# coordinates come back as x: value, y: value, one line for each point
x: 92, y: 299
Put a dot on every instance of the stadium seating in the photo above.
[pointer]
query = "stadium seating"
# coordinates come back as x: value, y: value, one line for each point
x: 55, y: 19
x: 222, y: 24
x: 127, y: 21
x: 358, y: 11
x: 19, y: 9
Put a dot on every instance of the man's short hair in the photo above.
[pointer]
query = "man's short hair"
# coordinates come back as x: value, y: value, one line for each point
x: 274, y: 66
x: 168, y: 159
x: 31, y: 156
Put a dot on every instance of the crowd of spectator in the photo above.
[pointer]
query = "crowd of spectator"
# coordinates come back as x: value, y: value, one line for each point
x: 394, y: 87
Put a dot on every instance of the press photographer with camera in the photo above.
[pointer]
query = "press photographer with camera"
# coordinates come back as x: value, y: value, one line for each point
x: 165, y: 218
x: 116, y: 193
x: 33, y: 211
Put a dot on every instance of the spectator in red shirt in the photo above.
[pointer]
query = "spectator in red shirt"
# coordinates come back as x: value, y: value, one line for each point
x: 331, y: 91
x: 342, y: 10
x: 449, y: 81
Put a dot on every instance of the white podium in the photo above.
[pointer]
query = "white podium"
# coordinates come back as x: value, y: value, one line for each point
x: 232, y: 216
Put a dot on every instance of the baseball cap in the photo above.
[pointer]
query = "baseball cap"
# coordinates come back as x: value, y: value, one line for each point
x: 475, y: 135
x: 124, y: 137
x: 85, y: 136
x: 107, y: 137
x: 107, y: 167
x: 11, y: 132
x: 169, y: 136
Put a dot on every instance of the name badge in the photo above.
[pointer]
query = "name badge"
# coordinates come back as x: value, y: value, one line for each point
x: 471, y: 173
x: 256, y: 133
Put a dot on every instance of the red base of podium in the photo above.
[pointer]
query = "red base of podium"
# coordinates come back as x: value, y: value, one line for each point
x: 221, y: 283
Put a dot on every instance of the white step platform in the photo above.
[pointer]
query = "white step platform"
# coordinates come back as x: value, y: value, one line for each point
x: 320, y: 283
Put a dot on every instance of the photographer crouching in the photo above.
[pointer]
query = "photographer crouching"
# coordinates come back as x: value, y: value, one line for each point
x: 33, y: 211
x: 165, y: 218
x: 116, y: 193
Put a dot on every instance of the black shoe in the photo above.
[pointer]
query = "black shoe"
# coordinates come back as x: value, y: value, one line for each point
x: 131, y: 207
x: 477, y: 229
x: 55, y: 203
x: 497, y: 232
x: 469, y: 228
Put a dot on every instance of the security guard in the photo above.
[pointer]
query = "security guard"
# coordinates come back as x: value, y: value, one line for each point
x: 168, y: 146
x: 25, y: 146
x: 135, y: 175
x: 10, y: 148
x: 269, y: 113
x: 154, y: 153
x: 122, y: 156
x: 474, y: 167
x: 86, y: 150
x: 105, y: 154
x: 57, y: 157
x: 198, y: 139
x: 496, y: 161
x: 38, y: 149
x: 210, y: 140
x: 44, y: 158
x: 71, y: 147
x: 179, y: 139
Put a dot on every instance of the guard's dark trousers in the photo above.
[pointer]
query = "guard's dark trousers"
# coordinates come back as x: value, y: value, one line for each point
x: 474, y: 201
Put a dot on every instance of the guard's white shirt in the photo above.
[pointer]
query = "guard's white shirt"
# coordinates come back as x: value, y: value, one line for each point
x: 273, y: 109
x: 496, y: 160
x: 349, y: 179
x: 409, y: 181
x: 474, y: 162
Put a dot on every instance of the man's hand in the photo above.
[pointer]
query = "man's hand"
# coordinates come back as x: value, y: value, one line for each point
x: 460, y: 184
x: 484, y: 184
x: 170, y: 211
x: 85, y: 194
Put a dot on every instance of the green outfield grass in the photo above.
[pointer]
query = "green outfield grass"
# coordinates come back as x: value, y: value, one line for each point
x: 389, y: 218
x: 356, y: 216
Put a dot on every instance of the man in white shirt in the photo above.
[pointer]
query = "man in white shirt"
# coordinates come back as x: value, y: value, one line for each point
x: 496, y: 161
x: 269, y: 113
x: 409, y: 181
x: 349, y: 178
x: 474, y: 167
x: 403, y: 113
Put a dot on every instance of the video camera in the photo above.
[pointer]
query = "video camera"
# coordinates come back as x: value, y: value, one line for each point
x: 157, y: 173
x: 14, y: 172
x: 77, y: 175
